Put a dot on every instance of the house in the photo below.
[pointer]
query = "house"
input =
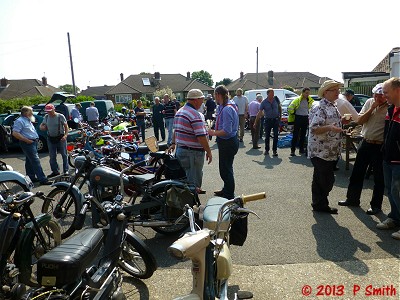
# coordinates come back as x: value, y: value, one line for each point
x: 17, y: 88
x: 137, y: 86
x: 271, y: 79
x: 97, y: 92
x: 363, y: 82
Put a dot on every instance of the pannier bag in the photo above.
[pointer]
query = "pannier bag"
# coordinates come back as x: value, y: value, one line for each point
x: 238, y: 232
x: 173, y: 169
x: 177, y: 198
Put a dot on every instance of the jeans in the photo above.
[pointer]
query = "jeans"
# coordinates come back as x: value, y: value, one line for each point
x: 227, y: 150
x: 60, y: 147
x: 392, y: 184
x: 33, y: 167
x: 242, y: 121
x: 299, y: 132
x: 271, y: 124
x: 255, y: 132
x: 169, y: 123
x: 141, y: 124
x: 159, y: 126
x: 262, y: 122
x: 192, y: 162
x: 322, y: 183
x: 94, y: 124
x: 367, y: 154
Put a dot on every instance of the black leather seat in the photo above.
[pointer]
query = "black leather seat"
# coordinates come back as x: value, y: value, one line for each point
x: 116, y: 132
x: 64, y: 264
x: 159, y: 154
x: 141, y: 179
x: 132, y: 128
x: 143, y: 149
x: 162, y: 146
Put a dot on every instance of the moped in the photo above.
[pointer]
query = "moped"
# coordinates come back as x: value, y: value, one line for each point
x: 208, y: 248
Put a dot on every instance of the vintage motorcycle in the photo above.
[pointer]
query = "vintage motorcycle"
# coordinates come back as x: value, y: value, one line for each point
x: 24, y: 239
x: 208, y: 248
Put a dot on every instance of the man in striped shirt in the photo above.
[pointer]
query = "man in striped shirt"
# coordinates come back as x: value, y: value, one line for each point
x: 191, y: 138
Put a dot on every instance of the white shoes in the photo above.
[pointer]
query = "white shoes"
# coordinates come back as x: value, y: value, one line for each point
x: 387, y: 224
x: 396, y: 235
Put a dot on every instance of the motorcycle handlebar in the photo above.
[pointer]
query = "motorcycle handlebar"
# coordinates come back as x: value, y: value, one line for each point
x: 253, y: 197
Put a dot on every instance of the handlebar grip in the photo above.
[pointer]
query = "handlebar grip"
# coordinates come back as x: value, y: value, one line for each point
x: 253, y: 197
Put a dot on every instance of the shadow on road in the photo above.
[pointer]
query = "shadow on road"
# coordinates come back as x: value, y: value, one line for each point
x: 300, y: 160
x: 269, y: 162
x: 336, y: 244
x: 135, y: 289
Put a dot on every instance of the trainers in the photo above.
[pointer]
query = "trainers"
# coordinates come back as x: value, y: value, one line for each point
x: 396, y: 235
x: 266, y: 153
x: 275, y: 154
x: 47, y: 182
x: 53, y: 174
x: 387, y: 224
x: 292, y: 153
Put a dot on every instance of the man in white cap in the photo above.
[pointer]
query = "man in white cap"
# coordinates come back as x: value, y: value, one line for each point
x: 57, y: 132
x: 324, y: 141
x: 372, y: 117
x: 190, y: 138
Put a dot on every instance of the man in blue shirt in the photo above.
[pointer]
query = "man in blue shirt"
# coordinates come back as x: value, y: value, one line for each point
x: 92, y: 115
x: 272, y: 110
x: 75, y: 114
x: 25, y: 132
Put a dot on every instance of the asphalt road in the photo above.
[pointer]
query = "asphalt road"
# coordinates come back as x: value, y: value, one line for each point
x: 289, y: 247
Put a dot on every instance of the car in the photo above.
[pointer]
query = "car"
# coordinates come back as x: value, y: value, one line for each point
x: 362, y: 98
x: 282, y: 94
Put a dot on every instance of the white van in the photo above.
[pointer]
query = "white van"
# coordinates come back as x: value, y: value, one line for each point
x: 282, y: 94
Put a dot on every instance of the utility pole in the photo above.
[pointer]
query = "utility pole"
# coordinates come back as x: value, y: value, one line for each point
x: 257, y: 70
x: 72, y: 66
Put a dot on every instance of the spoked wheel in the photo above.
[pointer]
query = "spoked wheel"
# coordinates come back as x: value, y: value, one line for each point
x: 8, y: 188
x: 65, y: 215
x: 136, y: 258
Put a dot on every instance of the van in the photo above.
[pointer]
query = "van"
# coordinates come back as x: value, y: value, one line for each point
x: 282, y: 94
x: 103, y: 106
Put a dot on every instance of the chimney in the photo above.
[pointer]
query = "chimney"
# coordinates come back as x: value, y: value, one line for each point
x: 122, y: 76
x: 241, y: 76
x: 271, y: 77
x: 44, y: 81
x: 87, y: 87
x: 188, y: 76
x: 157, y: 76
x: 3, y: 82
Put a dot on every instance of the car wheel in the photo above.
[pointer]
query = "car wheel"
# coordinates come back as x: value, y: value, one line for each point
x: 41, y: 144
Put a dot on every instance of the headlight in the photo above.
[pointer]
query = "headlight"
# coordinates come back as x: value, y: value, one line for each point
x: 176, y: 251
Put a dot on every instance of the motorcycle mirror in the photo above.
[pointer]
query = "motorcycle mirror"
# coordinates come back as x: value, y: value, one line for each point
x: 245, y: 210
x: 76, y: 120
x: 107, y: 128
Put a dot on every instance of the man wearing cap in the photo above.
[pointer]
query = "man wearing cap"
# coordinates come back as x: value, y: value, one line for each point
x: 243, y: 106
x: 57, y: 132
x: 92, y: 115
x: 25, y: 132
x: 191, y: 139
x: 324, y: 141
x: 254, y: 108
x: 391, y: 155
x: 372, y: 117
x: 349, y: 94
x: 210, y: 107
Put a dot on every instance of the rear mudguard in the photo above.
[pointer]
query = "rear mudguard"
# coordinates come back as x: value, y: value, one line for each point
x: 75, y: 191
x: 15, y: 176
x: 23, y: 251
x: 162, y: 185
x: 9, y: 232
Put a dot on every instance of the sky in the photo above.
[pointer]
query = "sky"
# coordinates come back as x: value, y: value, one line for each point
x: 176, y: 36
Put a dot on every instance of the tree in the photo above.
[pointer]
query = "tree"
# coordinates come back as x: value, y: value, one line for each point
x: 144, y: 73
x: 224, y: 81
x: 69, y: 89
x: 161, y: 92
x: 288, y: 87
x: 203, y: 76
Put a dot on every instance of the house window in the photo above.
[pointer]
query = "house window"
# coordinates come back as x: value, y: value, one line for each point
x: 123, y: 98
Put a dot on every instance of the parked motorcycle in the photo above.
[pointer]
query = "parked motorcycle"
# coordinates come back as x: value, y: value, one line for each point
x: 24, y: 239
x: 66, y: 274
x: 208, y: 248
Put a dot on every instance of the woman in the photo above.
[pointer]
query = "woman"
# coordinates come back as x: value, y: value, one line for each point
x: 226, y: 127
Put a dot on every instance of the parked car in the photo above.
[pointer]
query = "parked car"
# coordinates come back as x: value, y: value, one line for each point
x: 282, y: 94
x: 362, y: 98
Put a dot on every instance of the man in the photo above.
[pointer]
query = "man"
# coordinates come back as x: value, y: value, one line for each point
x: 158, y: 119
x: 243, y: 106
x: 298, y: 115
x: 324, y: 140
x: 254, y: 108
x: 191, y: 140
x: 210, y: 107
x: 57, y: 132
x: 75, y: 114
x: 391, y: 155
x: 345, y: 107
x: 271, y: 108
x: 92, y: 115
x: 169, y: 114
x: 372, y: 117
x: 140, y: 119
x: 24, y: 131
x: 177, y: 104
x: 349, y: 94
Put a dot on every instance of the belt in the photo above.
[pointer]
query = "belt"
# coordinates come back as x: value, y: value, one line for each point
x: 373, y: 142
x: 190, y: 148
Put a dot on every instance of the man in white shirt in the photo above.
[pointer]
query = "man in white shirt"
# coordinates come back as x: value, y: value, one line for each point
x: 345, y: 107
x: 243, y: 106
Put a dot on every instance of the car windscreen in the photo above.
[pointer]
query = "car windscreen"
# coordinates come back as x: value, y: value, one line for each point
x: 286, y: 102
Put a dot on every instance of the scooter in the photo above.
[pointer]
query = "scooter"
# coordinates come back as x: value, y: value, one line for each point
x: 208, y: 248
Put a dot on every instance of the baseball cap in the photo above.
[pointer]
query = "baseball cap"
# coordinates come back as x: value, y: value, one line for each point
x: 49, y: 107
x: 378, y: 89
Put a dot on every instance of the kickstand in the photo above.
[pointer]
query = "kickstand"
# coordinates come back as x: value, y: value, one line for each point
x: 243, y: 295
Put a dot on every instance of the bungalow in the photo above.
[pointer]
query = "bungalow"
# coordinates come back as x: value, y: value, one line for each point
x: 17, y: 88
x: 137, y: 86
x: 97, y: 92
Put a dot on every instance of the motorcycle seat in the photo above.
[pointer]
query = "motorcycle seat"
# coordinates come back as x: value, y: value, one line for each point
x: 143, y: 149
x: 132, y: 128
x: 210, y: 214
x: 162, y: 146
x: 159, y: 154
x: 66, y: 263
x: 116, y: 132
x: 141, y: 179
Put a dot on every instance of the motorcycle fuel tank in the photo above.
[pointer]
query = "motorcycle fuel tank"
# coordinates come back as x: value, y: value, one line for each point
x: 105, y: 176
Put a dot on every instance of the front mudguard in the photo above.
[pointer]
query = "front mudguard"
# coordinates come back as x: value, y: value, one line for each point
x: 23, y: 251
x: 15, y: 176
x: 75, y: 191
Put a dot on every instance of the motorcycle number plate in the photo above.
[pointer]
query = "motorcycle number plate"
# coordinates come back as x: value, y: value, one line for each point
x: 29, y: 182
